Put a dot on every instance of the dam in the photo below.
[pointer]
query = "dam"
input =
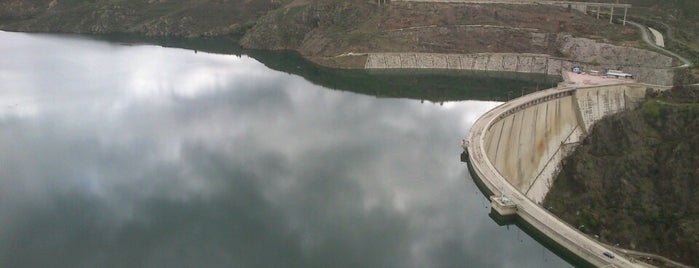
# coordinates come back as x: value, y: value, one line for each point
x: 516, y: 148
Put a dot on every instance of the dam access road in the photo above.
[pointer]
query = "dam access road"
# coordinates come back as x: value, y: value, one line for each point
x: 515, y: 149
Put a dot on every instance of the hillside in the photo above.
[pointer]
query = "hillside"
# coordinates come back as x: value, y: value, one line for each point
x: 194, y: 18
x: 678, y: 20
x: 324, y: 29
x: 634, y: 181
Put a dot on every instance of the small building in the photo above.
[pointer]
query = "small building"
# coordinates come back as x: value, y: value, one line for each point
x: 576, y: 69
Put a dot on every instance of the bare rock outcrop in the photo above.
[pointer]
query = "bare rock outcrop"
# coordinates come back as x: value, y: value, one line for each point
x: 591, y: 51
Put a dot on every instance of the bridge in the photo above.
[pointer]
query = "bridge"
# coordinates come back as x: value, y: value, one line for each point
x: 515, y: 149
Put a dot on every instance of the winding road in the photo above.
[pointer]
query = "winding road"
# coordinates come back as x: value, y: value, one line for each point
x: 647, y: 39
x: 659, y: 40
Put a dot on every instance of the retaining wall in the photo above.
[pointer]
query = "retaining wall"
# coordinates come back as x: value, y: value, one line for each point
x: 506, y: 62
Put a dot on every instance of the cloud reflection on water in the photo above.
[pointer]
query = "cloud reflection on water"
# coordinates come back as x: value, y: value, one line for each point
x: 142, y: 156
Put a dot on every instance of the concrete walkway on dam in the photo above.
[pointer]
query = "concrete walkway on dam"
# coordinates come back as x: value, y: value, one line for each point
x: 516, y: 148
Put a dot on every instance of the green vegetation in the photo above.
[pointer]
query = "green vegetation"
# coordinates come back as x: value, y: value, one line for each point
x: 678, y: 20
x: 193, y: 18
x: 634, y: 181
x: 326, y: 28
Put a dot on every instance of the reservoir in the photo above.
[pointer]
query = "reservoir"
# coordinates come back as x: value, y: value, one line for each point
x: 117, y: 154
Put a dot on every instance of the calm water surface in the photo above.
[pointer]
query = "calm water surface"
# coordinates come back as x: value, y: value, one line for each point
x: 116, y: 155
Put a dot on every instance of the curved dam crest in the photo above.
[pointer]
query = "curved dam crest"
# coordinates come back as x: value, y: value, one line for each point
x: 516, y: 148
x: 527, y: 143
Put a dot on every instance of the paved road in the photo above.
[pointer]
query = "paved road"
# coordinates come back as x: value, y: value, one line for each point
x: 646, y: 38
x: 659, y: 40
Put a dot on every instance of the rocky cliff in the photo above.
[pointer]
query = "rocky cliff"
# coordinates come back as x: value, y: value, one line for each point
x: 634, y: 181
x: 647, y: 66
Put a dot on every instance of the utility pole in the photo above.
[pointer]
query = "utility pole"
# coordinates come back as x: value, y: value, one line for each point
x: 611, y: 15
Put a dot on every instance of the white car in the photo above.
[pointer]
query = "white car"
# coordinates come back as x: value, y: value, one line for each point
x: 618, y: 74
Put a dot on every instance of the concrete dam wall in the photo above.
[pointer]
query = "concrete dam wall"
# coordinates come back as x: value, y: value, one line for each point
x: 527, y: 143
x: 515, y: 149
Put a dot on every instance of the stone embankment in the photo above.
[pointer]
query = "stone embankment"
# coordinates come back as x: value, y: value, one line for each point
x: 505, y: 62
x: 647, y: 66
x: 515, y: 149
x: 509, y: 62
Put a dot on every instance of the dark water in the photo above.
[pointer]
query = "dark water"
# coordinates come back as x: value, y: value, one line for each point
x: 115, y: 155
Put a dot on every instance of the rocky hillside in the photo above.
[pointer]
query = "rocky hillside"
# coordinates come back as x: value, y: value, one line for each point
x: 327, y: 28
x: 635, y: 179
x: 192, y: 18
x: 323, y: 29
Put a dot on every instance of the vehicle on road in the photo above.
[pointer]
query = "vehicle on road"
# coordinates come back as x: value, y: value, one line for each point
x: 618, y: 74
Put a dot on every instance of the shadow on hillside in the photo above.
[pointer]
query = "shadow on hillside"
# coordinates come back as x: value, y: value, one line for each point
x: 428, y: 85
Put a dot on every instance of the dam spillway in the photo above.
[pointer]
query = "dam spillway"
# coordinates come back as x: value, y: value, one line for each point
x: 516, y: 148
